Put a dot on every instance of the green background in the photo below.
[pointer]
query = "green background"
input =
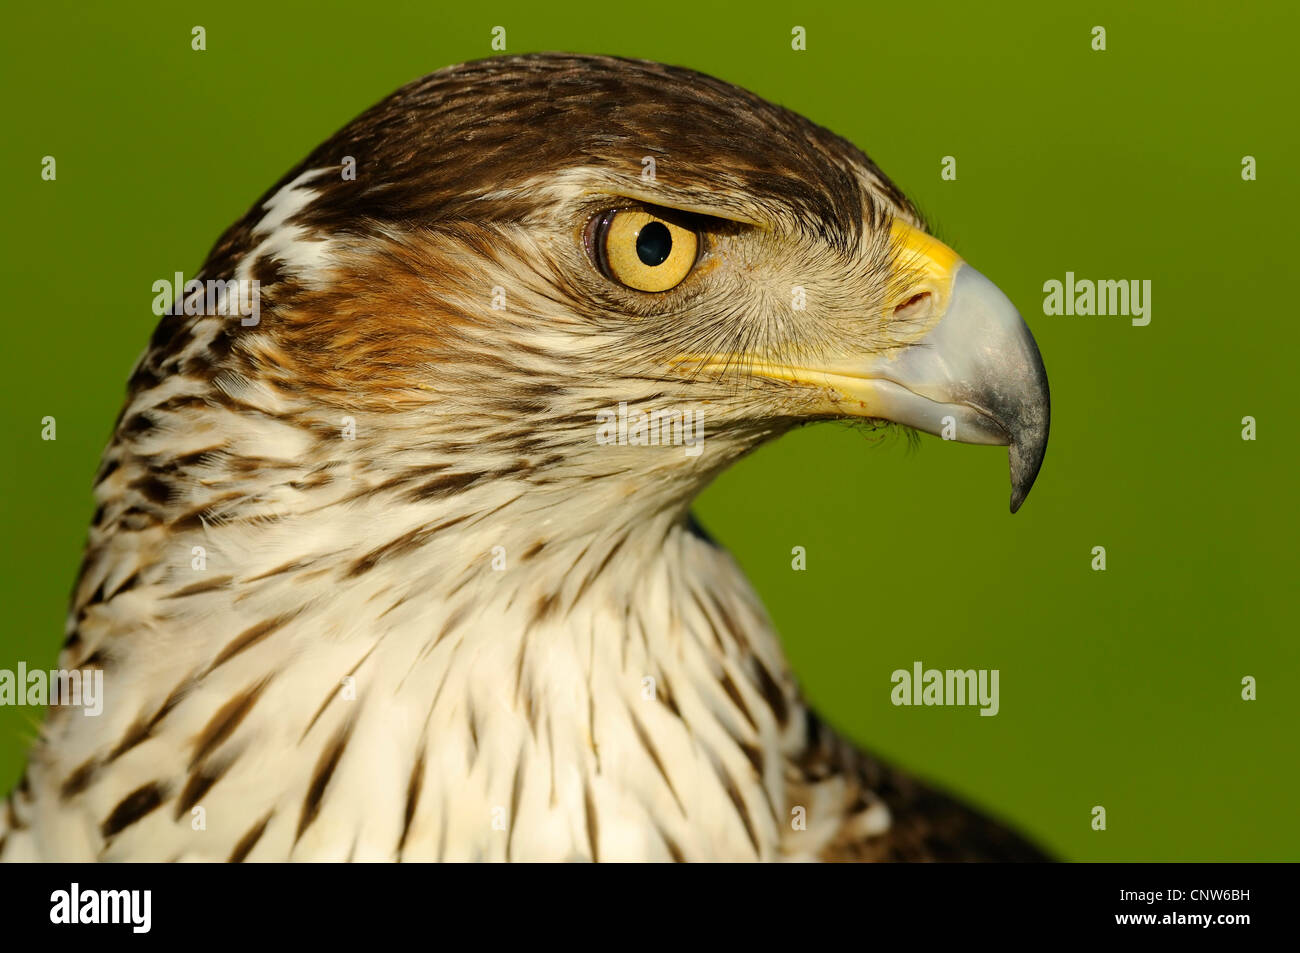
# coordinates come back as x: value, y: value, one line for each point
x: 1119, y: 688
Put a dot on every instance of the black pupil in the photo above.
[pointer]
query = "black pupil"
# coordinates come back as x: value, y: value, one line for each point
x: 653, y: 243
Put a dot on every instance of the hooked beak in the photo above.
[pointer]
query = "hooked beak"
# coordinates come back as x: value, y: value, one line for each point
x: 975, y: 375
x: 967, y: 370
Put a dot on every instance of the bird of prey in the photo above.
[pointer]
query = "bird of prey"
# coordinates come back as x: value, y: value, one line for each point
x: 366, y: 580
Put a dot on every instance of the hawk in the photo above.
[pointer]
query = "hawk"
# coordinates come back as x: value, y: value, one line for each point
x: 367, y: 581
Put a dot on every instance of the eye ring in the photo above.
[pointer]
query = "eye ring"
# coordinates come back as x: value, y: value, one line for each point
x: 641, y: 250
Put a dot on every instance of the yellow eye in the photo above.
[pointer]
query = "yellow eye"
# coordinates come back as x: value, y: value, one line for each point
x: 642, y: 251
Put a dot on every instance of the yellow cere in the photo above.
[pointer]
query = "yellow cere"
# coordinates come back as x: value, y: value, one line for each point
x: 923, y: 252
x: 929, y: 264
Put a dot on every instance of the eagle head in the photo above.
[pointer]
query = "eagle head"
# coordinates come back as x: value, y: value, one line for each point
x: 508, y: 323
x: 550, y: 262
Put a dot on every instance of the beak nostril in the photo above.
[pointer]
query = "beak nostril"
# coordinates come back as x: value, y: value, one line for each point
x: 912, y: 304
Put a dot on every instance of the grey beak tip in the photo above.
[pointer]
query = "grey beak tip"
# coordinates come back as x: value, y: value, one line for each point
x: 1026, y: 459
x: 1030, y: 430
x: 1022, y: 479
